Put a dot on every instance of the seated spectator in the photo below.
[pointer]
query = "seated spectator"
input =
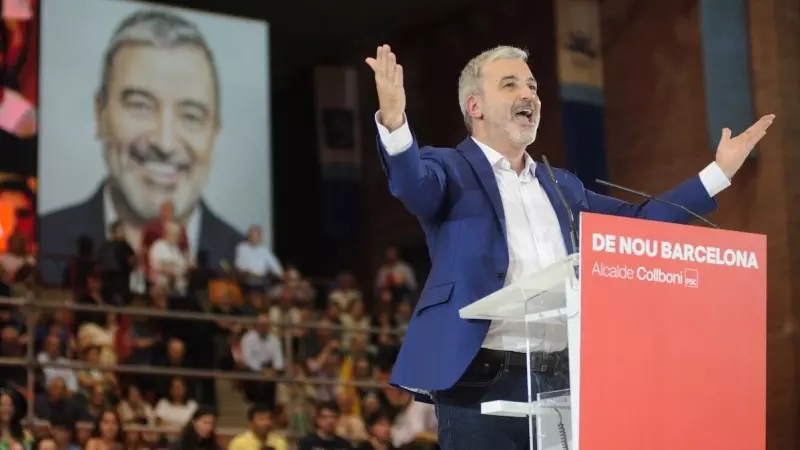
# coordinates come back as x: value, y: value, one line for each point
x: 169, y: 265
x: 333, y: 315
x: 133, y: 408
x: 226, y: 334
x: 56, y: 324
x: 175, y: 358
x: 386, y: 342
x: 395, y: 275
x: 92, y: 296
x: 402, y: 315
x: 284, y: 315
x: 153, y: 440
x: 177, y: 409
x: 255, y: 263
x: 90, y: 379
x: 63, y: 431
x: 300, y: 289
x: 260, y: 434
x: 53, y: 352
x: 324, y: 436
x: 373, y: 403
x: 14, y: 378
x: 350, y: 424
x: 10, y: 315
x: 327, y: 365
x: 296, y: 399
x: 108, y: 432
x: 345, y: 292
x: 145, y: 337
x: 12, y: 434
x: 380, y: 433
x: 56, y: 402
x: 199, y: 433
x: 97, y: 402
x: 46, y: 444
x: 102, y: 337
x: 262, y: 353
x: 354, y: 320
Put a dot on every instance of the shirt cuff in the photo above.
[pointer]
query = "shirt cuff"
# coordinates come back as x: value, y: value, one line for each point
x: 714, y: 179
x: 397, y: 141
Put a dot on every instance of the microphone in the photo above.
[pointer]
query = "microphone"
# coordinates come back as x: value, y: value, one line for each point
x: 573, y: 228
x: 653, y: 197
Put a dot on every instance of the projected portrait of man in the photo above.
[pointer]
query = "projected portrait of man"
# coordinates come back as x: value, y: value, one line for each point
x: 157, y: 117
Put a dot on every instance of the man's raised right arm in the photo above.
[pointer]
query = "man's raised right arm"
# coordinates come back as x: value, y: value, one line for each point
x: 417, y: 178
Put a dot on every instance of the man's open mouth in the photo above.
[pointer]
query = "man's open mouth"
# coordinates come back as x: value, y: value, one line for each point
x: 524, y: 116
x: 163, y: 175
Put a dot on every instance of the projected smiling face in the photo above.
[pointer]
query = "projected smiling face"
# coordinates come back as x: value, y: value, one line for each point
x: 158, y: 125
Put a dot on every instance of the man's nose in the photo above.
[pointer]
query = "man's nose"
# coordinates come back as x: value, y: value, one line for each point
x: 166, y: 133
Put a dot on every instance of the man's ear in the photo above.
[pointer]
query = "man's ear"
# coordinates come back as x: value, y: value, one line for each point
x: 474, y: 108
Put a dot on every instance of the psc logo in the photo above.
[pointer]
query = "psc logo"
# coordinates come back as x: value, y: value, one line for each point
x: 691, y: 278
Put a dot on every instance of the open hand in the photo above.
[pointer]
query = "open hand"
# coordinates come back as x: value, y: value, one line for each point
x: 389, y: 83
x: 732, y: 152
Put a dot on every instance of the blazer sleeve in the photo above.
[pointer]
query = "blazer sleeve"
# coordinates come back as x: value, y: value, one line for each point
x: 417, y: 177
x: 691, y: 194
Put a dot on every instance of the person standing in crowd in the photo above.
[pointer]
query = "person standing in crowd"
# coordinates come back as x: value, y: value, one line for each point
x: 260, y: 435
x: 495, y: 217
x: 115, y: 262
x: 255, y: 263
x: 157, y: 111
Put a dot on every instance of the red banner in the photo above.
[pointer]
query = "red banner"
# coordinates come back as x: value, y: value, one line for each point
x: 673, y: 337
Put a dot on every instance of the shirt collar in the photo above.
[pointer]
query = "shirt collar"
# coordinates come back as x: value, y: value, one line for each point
x: 496, y: 160
x: 192, y: 229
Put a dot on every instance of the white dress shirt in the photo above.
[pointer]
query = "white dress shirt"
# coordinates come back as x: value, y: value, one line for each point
x: 257, y: 259
x: 533, y: 232
x: 259, y: 351
x: 65, y: 373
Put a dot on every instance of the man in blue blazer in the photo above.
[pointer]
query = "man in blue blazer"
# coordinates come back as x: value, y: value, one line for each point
x: 491, y: 216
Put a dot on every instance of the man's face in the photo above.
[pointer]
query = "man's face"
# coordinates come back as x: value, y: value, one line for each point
x: 254, y: 235
x: 326, y: 420
x: 261, y: 423
x: 159, y: 126
x: 510, y: 103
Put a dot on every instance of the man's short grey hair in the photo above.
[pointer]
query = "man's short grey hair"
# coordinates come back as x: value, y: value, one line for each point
x: 471, y: 80
x: 156, y: 28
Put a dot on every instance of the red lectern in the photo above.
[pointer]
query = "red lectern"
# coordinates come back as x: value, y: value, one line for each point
x: 666, y: 330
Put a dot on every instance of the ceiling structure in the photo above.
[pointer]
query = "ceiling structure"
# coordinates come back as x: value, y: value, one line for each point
x: 307, y: 32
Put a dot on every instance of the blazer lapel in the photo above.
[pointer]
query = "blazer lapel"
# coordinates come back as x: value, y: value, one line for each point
x: 485, y: 174
x: 561, y: 213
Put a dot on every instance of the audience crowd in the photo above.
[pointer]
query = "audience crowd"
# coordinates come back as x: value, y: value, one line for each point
x: 306, y: 339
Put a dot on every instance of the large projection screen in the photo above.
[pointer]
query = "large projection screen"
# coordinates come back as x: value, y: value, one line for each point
x: 142, y: 104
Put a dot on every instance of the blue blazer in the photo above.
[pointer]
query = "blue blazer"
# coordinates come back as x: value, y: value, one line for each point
x: 454, y: 194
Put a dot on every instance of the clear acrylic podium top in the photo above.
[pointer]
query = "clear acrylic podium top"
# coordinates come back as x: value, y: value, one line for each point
x: 535, y: 309
x: 539, y: 314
